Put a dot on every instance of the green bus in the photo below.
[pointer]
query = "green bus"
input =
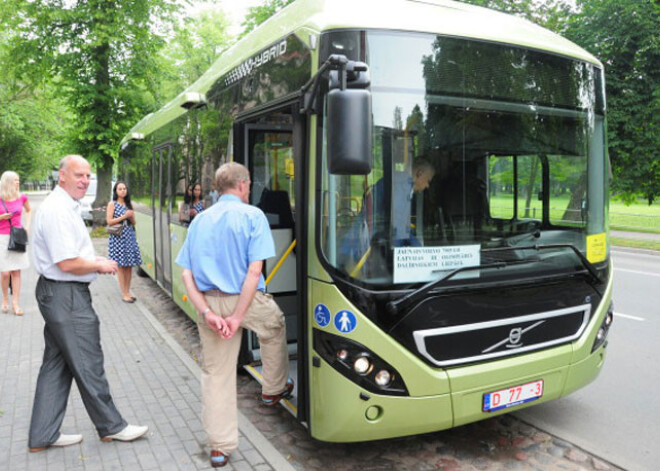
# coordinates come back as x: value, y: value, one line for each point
x: 436, y: 179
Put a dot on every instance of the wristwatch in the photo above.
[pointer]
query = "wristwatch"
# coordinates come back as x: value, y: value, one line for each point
x: 206, y: 311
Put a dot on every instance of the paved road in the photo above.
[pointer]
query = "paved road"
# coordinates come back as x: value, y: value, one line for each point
x: 617, y: 416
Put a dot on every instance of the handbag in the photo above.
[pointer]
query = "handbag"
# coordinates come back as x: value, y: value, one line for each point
x: 115, y: 229
x: 18, y: 238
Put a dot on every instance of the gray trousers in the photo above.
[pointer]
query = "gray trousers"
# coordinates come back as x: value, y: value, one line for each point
x: 73, y: 351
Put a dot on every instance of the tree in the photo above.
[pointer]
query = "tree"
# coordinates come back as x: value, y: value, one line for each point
x: 195, y: 46
x: 623, y: 34
x: 551, y: 14
x: 32, y: 120
x: 101, y: 56
x: 257, y: 15
x: 193, y: 49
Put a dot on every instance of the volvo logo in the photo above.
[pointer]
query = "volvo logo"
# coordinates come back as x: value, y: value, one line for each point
x: 514, y: 339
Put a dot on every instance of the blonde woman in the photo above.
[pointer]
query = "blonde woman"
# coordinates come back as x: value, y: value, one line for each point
x: 12, y: 205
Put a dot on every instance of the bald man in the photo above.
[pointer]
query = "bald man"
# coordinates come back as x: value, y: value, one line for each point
x: 65, y: 260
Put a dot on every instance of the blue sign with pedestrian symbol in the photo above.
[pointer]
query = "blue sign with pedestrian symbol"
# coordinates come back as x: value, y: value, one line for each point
x: 322, y: 315
x: 345, y: 321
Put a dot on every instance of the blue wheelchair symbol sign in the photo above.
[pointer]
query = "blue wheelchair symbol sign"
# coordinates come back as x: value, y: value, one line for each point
x: 345, y: 321
x: 322, y: 315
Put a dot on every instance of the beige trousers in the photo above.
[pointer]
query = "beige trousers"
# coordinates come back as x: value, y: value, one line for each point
x: 219, y: 363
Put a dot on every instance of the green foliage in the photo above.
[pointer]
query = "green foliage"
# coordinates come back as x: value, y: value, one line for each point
x: 32, y: 120
x: 31, y: 128
x: 257, y: 15
x: 550, y: 14
x: 192, y: 50
x: 100, y: 55
x: 624, y: 36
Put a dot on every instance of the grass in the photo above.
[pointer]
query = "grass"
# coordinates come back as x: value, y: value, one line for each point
x: 636, y: 243
x: 99, y: 231
x: 637, y: 217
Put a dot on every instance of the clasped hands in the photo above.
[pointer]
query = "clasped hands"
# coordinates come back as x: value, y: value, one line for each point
x: 224, y: 327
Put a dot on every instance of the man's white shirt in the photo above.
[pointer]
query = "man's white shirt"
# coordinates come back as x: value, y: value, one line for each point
x: 58, y: 234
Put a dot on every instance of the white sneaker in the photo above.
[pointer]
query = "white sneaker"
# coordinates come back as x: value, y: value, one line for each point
x: 63, y: 440
x: 66, y: 440
x: 130, y: 433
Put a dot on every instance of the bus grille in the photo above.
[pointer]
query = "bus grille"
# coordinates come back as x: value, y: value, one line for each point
x: 470, y: 343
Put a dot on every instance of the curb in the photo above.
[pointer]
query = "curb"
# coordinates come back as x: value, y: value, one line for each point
x: 260, y: 442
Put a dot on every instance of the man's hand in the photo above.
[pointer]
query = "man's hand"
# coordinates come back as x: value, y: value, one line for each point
x: 233, y: 324
x: 216, y: 323
x: 106, y: 267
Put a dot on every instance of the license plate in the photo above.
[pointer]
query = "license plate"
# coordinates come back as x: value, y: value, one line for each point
x: 510, y: 397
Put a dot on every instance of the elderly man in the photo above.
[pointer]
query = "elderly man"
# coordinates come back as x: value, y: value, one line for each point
x: 65, y: 259
x: 222, y: 258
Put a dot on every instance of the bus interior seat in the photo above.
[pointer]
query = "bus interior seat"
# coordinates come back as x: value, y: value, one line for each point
x: 277, y: 207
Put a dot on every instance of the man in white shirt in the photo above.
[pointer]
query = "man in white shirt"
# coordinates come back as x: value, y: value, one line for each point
x: 64, y: 257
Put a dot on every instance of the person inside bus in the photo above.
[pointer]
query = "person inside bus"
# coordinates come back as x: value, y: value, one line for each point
x: 379, y: 218
x: 197, y: 201
x: 184, y: 206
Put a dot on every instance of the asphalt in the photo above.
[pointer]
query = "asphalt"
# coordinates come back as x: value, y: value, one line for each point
x: 152, y: 380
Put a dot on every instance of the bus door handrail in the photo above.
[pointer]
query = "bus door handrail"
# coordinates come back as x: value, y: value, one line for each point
x: 280, y: 262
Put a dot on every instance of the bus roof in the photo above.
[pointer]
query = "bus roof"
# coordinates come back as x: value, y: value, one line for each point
x: 311, y: 17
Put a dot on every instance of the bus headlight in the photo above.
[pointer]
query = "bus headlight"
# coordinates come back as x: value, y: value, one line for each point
x: 362, y: 365
x: 604, y: 328
x: 342, y: 354
x: 359, y: 364
x: 383, y: 378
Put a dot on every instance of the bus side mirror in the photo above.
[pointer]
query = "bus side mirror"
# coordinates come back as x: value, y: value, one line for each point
x: 349, y: 130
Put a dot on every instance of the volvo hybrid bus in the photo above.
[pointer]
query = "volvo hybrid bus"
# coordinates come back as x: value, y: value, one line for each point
x: 435, y: 176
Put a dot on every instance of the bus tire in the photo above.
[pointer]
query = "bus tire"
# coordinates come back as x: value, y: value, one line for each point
x: 141, y: 273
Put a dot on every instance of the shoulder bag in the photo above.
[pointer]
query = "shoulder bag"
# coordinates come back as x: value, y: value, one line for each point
x: 18, y: 238
x: 115, y: 229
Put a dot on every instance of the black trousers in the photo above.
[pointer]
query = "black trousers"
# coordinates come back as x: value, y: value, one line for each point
x: 73, y: 351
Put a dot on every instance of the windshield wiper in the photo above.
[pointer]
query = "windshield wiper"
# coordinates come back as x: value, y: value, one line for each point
x: 585, y: 262
x: 394, y: 306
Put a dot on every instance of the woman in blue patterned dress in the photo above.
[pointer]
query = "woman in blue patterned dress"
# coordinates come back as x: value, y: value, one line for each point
x: 123, y: 248
x: 197, y: 203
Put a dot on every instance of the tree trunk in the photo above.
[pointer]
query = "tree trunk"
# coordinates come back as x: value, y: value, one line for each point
x: 574, y: 209
x: 103, y: 120
x: 533, y: 171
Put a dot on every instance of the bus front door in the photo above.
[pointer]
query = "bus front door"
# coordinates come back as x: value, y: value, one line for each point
x: 270, y: 158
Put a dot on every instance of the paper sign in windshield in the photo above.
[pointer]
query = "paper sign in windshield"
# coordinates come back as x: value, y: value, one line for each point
x: 415, y: 264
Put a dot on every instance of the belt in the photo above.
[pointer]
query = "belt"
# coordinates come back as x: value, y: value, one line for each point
x: 86, y: 283
x: 216, y: 293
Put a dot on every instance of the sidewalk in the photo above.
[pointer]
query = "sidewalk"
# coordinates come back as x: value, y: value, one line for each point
x: 635, y: 235
x: 152, y: 380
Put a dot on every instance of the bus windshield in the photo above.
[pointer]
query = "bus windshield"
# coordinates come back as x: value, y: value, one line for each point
x: 479, y: 149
